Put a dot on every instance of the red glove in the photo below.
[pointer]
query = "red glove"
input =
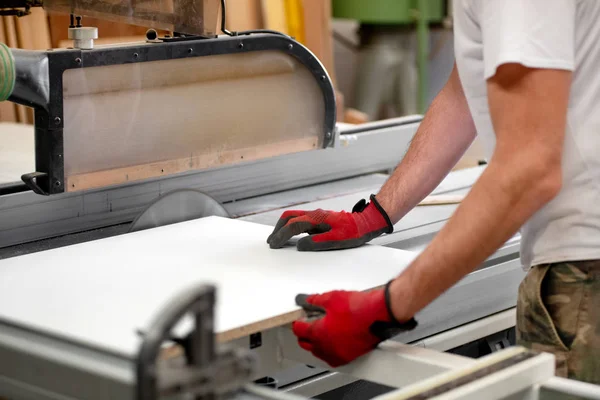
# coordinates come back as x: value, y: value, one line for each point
x: 348, y: 324
x: 331, y: 230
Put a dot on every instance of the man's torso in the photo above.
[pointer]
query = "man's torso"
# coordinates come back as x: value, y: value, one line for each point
x: 562, y: 34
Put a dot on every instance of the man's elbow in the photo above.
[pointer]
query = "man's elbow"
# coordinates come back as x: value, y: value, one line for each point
x: 545, y: 180
x: 529, y: 176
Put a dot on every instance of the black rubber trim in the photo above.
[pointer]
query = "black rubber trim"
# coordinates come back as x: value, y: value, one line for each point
x: 360, y: 206
x: 385, y: 330
x: 388, y: 301
x: 408, y: 325
x: 385, y: 216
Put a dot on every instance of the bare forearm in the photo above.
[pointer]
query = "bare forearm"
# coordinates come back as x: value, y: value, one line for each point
x: 528, y: 109
x: 496, y: 207
x: 442, y: 138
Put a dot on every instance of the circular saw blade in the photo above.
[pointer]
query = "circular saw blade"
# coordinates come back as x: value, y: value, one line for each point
x: 178, y: 206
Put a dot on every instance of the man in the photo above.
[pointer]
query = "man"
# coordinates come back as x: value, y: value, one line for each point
x: 526, y: 81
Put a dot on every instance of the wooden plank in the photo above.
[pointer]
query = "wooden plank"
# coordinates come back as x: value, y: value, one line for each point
x: 8, y: 112
x: 211, y: 10
x: 274, y: 15
x: 124, y: 281
x: 63, y: 44
x: 355, y: 117
x: 442, y: 199
x: 33, y: 32
x: 10, y: 32
x: 243, y: 15
x: 318, y: 37
x: 58, y: 28
x: 169, y: 167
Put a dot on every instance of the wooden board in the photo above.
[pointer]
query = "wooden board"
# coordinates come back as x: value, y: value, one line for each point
x: 33, y: 31
x: 157, y: 169
x: 274, y: 16
x: 243, y: 15
x: 63, y: 44
x: 102, y: 292
x: 318, y: 37
x: 442, y: 199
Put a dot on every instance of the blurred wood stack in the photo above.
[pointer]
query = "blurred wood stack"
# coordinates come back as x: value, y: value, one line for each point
x: 309, y: 21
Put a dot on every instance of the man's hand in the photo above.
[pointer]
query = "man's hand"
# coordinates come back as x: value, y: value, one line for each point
x: 349, y: 324
x: 332, y: 230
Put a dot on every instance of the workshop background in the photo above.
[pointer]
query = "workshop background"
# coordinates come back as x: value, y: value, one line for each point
x: 386, y: 58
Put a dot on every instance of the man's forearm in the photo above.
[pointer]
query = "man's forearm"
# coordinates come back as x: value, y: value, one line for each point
x: 444, y: 135
x: 496, y: 207
x: 528, y: 109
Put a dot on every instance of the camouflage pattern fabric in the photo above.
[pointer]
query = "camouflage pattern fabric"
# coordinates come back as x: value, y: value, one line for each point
x: 558, y: 311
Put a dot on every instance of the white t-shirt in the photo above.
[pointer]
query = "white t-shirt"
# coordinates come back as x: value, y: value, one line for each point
x: 558, y: 34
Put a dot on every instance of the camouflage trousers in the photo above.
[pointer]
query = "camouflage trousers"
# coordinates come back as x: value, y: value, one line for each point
x: 558, y: 311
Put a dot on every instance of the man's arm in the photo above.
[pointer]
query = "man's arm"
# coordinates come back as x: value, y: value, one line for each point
x: 442, y: 138
x: 528, y: 109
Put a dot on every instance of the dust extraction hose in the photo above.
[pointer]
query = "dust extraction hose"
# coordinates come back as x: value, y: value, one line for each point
x: 24, y: 77
x: 7, y: 72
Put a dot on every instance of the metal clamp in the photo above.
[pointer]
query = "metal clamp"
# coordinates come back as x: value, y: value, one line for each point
x: 204, y: 373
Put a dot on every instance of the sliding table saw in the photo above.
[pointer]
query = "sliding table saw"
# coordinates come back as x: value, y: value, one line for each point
x: 234, y: 128
x: 176, y: 312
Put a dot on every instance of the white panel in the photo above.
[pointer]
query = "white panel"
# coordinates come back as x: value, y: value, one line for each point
x: 102, y: 291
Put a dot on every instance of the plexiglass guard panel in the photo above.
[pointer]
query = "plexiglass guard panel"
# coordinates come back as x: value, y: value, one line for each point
x: 128, y: 122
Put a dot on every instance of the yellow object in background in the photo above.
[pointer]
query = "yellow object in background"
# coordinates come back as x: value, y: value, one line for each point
x: 295, y: 19
x: 274, y: 15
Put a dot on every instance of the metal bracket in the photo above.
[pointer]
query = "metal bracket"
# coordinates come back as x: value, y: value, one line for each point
x: 30, y: 181
x: 231, y: 371
x: 204, y: 373
x: 498, y: 342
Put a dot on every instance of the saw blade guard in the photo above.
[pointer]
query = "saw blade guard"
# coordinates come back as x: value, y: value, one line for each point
x: 124, y: 113
x: 132, y: 121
